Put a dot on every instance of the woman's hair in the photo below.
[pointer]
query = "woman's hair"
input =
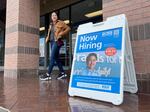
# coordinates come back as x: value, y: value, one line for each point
x: 89, y: 55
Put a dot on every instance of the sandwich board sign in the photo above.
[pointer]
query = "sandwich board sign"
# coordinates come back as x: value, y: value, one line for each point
x: 103, y: 64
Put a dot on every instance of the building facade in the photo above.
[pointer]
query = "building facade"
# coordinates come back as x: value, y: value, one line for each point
x: 138, y: 15
x: 25, y: 50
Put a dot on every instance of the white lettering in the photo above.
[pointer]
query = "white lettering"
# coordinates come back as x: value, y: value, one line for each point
x: 84, y: 46
x: 88, y: 38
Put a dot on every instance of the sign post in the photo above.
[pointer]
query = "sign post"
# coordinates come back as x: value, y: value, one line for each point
x: 103, y: 64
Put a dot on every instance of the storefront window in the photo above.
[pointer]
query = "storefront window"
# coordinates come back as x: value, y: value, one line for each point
x: 86, y: 11
x: 42, y: 41
x: 1, y: 47
x: 64, y: 51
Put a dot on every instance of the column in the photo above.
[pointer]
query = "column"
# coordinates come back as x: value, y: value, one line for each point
x: 22, y: 38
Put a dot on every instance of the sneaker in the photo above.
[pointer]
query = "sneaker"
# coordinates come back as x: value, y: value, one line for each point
x: 62, y: 76
x: 45, y: 77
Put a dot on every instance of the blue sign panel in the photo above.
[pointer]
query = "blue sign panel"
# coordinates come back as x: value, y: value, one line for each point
x: 97, y: 63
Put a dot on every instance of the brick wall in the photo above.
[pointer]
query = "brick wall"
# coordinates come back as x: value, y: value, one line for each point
x: 137, y: 11
x: 138, y: 15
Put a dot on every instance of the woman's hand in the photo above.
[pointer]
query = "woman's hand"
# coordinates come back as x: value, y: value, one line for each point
x: 60, y: 34
x: 47, y: 39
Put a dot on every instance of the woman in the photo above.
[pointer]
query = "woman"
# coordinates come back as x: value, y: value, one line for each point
x: 57, y: 29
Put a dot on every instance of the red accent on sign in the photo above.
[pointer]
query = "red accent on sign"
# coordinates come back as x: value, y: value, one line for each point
x: 110, y: 51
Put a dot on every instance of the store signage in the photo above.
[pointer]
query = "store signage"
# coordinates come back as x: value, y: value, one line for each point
x: 103, y: 64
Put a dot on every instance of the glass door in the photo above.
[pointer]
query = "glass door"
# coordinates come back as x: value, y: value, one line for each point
x: 65, y: 50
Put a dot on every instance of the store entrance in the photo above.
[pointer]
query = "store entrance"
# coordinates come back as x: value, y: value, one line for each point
x: 73, y: 15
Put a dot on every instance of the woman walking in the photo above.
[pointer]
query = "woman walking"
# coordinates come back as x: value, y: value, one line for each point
x: 57, y: 29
